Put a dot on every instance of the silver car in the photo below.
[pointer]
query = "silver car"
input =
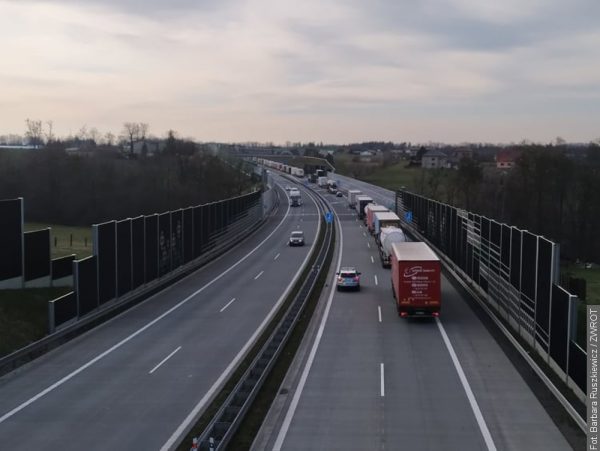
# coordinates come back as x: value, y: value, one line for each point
x: 297, y: 238
x: 348, y: 277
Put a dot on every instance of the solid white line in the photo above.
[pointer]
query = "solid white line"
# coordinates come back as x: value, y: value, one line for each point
x: 258, y: 275
x: 164, y: 360
x: 379, y: 311
x: 176, y: 436
x: 139, y: 331
x: 277, y: 256
x: 382, y: 380
x: 226, y: 305
x: 465, y: 383
x: 372, y: 259
x: 376, y: 281
x: 298, y: 393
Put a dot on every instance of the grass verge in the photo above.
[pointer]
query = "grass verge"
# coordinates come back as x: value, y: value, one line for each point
x: 66, y: 240
x: 24, y: 316
x: 213, y: 408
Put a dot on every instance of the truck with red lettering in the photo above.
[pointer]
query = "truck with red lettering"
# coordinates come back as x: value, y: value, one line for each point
x: 416, y: 279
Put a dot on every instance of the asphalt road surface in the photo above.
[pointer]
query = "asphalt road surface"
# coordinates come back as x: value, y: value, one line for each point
x: 132, y: 382
x: 375, y: 381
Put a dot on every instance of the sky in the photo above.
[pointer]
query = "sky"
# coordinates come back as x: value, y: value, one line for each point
x: 333, y: 71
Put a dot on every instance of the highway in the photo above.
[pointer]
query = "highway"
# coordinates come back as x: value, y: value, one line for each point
x: 371, y: 380
x: 136, y: 381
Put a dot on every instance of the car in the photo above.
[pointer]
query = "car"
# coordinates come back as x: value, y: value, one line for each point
x: 348, y: 277
x: 288, y: 187
x: 296, y: 238
x: 338, y: 194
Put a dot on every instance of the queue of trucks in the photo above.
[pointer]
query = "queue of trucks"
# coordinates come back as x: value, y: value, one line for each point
x: 415, y: 269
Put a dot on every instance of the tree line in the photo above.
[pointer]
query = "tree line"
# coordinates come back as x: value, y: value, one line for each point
x: 60, y: 188
x: 549, y: 191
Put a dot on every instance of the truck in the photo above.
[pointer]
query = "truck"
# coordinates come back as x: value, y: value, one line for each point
x: 295, y: 198
x: 322, y: 182
x: 297, y: 172
x: 370, y: 209
x: 352, y: 193
x: 384, y: 219
x: 389, y: 236
x: 332, y: 186
x: 361, y: 202
x: 416, y: 279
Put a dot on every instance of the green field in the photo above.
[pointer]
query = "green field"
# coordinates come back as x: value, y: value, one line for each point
x: 61, y: 236
x: 24, y: 316
x: 592, y: 277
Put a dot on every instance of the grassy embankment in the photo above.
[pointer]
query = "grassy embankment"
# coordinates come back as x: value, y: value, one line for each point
x: 24, y: 316
x: 24, y: 313
x: 592, y: 278
x: 61, y: 236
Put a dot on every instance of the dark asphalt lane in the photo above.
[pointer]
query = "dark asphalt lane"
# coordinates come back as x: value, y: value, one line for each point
x: 424, y: 404
x: 130, y: 383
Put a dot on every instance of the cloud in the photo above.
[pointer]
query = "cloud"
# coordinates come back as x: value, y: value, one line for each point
x: 273, y: 69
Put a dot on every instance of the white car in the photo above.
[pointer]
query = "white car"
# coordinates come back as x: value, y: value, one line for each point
x: 348, y: 277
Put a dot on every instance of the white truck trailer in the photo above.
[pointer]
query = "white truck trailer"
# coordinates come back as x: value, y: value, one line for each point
x: 352, y: 193
x: 387, y: 237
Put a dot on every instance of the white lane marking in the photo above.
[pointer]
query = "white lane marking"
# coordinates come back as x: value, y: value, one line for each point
x: 277, y: 256
x: 176, y: 436
x: 258, y: 275
x: 226, y: 305
x: 379, y: 312
x: 360, y: 226
x: 465, y: 383
x: 364, y: 234
x: 372, y: 259
x: 368, y: 245
x: 298, y: 393
x: 139, y: 331
x: 164, y: 360
x: 376, y: 281
x: 382, y: 380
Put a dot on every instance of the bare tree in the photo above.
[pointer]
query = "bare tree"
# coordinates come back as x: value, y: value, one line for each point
x: 34, y: 132
x: 82, y: 135
x: 109, y: 138
x: 134, y: 132
x: 49, y: 133
x: 131, y: 131
x: 94, y: 135
x: 143, y: 127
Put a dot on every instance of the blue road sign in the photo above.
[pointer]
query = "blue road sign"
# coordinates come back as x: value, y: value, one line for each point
x: 328, y: 217
x: 408, y: 216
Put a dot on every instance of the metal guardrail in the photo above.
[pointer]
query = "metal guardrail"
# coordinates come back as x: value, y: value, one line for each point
x: 71, y: 330
x: 226, y: 421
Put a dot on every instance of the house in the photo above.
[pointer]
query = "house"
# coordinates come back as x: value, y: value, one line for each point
x: 434, y: 159
x: 506, y: 158
x: 148, y: 147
